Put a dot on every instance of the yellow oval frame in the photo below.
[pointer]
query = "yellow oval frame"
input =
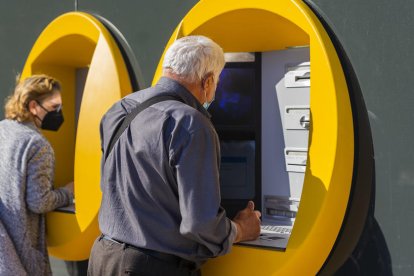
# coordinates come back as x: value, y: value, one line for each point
x: 78, y: 40
x: 262, y: 25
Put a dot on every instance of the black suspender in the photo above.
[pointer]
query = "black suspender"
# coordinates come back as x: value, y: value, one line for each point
x: 129, y: 117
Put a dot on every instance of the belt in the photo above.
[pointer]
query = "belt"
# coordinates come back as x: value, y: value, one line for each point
x: 172, y: 259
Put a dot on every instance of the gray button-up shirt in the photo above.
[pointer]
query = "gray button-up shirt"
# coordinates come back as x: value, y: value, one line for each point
x: 160, y: 183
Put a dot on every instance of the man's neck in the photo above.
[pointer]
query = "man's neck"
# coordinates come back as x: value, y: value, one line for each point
x: 194, y: 88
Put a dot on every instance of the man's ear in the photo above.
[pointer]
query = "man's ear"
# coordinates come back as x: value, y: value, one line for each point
x: 32, y: 107
x: 209, y: 80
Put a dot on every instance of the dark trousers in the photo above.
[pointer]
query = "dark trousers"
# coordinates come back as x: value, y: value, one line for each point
x: 112, y: 258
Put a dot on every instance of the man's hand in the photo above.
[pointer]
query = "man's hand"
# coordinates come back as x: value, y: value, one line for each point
x: 248, y: 223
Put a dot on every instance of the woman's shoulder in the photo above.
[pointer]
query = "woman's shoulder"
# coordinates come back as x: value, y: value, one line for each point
x: 22, y: 133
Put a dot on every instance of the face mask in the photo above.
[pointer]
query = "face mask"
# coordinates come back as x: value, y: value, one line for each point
x: 206, y: 105
x: 52, y: 120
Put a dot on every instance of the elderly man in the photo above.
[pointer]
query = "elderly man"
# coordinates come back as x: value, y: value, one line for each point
x: 160, y: 211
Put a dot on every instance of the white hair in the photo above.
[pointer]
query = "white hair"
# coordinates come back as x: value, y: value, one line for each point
x: 193, y: 57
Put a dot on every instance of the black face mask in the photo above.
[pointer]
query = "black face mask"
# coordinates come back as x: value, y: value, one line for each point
x: 52, y: 120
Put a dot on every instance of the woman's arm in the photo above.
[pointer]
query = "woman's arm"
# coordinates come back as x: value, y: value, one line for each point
x: 40, y: 195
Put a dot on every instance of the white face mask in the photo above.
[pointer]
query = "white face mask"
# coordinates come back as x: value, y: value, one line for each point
x: 206, y: 105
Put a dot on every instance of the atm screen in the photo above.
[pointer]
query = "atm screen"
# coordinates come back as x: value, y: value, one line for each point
x: 237, y: 169
x: 234, y: 102
x: 237, y: 175
x: 236, y: 117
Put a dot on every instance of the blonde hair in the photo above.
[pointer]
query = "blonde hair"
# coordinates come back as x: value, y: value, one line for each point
x: 36, y: 87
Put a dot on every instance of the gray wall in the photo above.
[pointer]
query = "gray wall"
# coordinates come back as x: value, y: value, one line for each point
x: 146, y: 25
x: 21, y: 22
x: 378, y: 38
x: 376, y: 34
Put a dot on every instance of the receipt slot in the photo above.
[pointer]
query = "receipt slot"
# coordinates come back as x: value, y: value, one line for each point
x: 77, y: 49
x: 325, y: 162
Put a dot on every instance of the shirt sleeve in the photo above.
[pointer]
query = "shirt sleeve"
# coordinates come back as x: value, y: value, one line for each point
x: 197, y: 172
x: 40, y: 195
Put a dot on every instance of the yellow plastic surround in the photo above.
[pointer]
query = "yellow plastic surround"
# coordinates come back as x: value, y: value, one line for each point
x: 78, y: 40
x: 263, y: 25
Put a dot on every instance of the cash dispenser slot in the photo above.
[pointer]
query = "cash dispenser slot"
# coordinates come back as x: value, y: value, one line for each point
x: 280, y: 207
x: 298, y: 76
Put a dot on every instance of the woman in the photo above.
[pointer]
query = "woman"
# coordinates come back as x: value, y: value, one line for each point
x: 26, y: 175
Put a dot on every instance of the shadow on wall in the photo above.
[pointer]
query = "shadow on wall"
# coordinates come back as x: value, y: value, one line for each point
x: 371, y: 256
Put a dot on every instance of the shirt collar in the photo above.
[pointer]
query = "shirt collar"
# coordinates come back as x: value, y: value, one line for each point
x: 175, y: 87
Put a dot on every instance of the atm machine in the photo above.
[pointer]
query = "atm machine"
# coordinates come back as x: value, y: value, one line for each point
x: 264, y: 155
x: 262, y: 116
